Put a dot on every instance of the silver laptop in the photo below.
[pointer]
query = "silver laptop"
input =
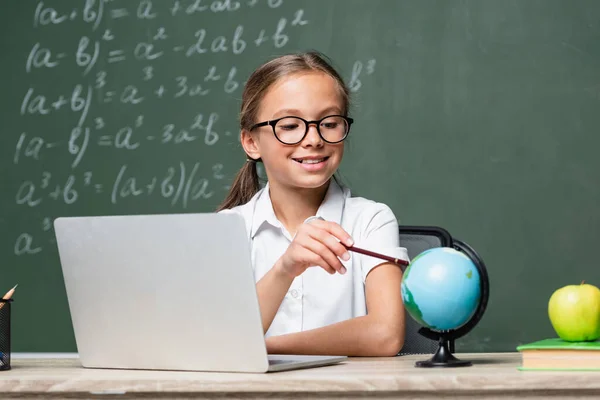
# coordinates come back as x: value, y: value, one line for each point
x: 169, y: 292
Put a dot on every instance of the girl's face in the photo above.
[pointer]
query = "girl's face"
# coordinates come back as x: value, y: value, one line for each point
x: 312, y: 162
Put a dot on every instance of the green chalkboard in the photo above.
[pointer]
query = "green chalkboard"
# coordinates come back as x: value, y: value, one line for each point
x: 478, y: 116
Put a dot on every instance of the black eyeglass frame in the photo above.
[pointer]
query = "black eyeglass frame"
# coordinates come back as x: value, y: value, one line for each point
x: 274, y: 122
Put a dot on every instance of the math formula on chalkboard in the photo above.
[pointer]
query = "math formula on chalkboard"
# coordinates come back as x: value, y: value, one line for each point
x: 137, y: 101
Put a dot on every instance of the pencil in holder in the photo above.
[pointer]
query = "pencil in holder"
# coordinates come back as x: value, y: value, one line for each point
x: 5, y: 334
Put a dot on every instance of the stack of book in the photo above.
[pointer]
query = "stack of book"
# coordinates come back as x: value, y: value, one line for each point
x: 557, y: 354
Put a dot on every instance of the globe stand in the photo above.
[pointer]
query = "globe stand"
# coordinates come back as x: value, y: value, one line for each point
x: 443, y: 357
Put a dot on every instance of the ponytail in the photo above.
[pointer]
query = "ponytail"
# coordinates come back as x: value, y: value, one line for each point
x: 245, y: 185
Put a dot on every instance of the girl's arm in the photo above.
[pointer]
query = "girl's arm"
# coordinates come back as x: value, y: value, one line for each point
x: 379, y: 333
x: 271, y: 290
x: 315, y: 244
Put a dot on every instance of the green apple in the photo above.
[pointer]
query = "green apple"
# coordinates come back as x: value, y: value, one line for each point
x: 574, y: 312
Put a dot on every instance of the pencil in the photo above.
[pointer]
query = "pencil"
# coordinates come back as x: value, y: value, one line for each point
x: 8, y: 295
x: 397, y: 261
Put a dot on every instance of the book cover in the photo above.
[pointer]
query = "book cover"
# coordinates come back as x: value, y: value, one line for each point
x: 555, y: 354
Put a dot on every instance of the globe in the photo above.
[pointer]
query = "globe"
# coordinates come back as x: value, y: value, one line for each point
x: 441, y: 289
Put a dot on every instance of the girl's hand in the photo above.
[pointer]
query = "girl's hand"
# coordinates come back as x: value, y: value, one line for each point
x: 316, y: 243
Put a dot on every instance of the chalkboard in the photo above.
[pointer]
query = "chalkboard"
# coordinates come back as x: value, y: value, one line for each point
x: 478, y: 116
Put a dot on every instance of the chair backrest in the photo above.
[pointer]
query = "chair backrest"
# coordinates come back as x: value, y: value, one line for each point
x: 417, y: 239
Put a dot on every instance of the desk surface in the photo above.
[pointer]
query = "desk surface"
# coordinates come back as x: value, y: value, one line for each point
x: 492, y: 376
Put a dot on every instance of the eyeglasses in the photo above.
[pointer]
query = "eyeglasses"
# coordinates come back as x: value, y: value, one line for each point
x: 293, y: 130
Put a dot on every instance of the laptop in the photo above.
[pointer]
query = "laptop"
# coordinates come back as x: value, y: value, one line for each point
x: 166, y: 292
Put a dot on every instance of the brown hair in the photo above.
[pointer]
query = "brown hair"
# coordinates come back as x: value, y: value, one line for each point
x: 246, y: 182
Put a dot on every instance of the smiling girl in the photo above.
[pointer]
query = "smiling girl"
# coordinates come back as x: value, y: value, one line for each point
x: 315, y: 298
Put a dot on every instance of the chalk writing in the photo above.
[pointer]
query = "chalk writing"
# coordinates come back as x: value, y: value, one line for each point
x: 130, y: 103
x: 178, y: 184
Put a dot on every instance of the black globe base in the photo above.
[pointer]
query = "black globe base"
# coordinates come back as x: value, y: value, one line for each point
x: 443, y: 358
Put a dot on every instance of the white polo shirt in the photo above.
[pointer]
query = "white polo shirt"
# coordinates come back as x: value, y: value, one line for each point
x: 315, y: 298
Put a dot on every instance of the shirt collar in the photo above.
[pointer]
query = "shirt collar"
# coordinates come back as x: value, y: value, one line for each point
x: 263, y: 211
x: 331, y: 208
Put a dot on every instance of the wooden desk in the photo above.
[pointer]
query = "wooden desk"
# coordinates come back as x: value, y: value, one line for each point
x: 492, y: 376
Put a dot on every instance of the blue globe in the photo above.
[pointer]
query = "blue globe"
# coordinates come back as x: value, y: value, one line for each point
x: 441, y: 289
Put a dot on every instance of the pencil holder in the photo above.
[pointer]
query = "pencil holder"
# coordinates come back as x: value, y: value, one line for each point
x: 5, y: 334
